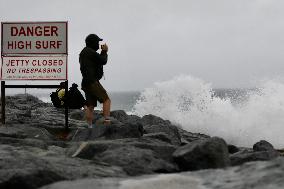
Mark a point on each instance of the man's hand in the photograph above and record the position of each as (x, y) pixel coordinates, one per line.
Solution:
(104, 47)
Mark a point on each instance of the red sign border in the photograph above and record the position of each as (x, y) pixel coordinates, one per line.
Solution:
(35, 79)
(39, 22)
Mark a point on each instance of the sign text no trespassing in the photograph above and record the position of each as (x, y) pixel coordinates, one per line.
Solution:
(34, 68)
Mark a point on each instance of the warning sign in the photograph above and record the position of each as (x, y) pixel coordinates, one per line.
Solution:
(34, 38)
(34, 68)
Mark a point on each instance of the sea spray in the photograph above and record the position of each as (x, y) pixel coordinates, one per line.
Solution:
(191, 103)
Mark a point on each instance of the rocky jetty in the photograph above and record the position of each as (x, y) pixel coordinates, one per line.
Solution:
(133, 152)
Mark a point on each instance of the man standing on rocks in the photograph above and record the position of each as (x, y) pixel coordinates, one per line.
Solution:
(91, 66)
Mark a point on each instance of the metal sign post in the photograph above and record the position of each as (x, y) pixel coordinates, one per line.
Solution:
(3, 100)
(33, 51)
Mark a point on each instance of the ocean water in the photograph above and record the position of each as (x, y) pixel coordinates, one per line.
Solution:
(119, 100)
(241, 116)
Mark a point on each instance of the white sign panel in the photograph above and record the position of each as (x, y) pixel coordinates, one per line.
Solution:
(34, 38)
(34, 68)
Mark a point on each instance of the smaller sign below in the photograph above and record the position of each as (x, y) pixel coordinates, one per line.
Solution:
(34, 68)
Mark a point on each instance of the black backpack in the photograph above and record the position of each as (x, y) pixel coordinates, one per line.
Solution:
(55, 99)
(75, 98)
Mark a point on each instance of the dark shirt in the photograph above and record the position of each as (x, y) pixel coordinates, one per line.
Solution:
(91, 65)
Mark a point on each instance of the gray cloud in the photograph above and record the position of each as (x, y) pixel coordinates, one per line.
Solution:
(225, 42)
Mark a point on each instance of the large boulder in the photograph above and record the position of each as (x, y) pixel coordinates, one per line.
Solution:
(24, 142)
(153, 120)
(246, 155)
(77, 114)
(136, 156)
(262, 151)
(23, 102)
(233, 149)
(19, 108)
(136, 161)
(113, 131)
(25, 131)
(188, 137)
(263, 146)
(159, 136)
(154, 124)
(28, 178)
(203, 154)
(120, 115)
(253, 175)
(32, 167)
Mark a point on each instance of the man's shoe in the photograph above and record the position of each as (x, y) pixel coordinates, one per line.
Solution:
(103, 122)
(107, 121)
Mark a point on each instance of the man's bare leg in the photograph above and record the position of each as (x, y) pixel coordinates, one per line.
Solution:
(106, 110)
(89, 114)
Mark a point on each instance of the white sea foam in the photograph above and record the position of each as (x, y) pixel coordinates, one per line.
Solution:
(191, 103)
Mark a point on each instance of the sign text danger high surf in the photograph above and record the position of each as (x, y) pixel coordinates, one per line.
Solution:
(34, 38)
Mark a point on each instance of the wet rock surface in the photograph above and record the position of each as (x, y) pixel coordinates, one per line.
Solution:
(262, 151)
(203, 154)
(254, 175)
(37, 151)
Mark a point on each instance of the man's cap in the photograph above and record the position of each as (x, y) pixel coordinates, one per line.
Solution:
(91, 38)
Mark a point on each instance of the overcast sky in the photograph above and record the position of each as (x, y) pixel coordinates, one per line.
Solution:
(229, 43)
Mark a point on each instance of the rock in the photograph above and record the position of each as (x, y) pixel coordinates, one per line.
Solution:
(188, 137)
(136, 161)
(29, 179)
(232, 149)
(36, 150)
(136, 156)
(262, 151)
(154, 124)
(111, 183)
(246, 155)
(34, 167)
(77, 114)
(154, 120)
(263, 146)
(24, 101)
(113, 131)
(203, 154)
(160, 136)
(23, 142)
(22, 131)
(124, 131)
(254, 175)
(133, 119)
(120, 115)
(169, 130)
(93, 148)
(83, 134)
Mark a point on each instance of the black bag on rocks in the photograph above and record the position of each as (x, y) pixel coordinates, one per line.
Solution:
(75, 98)
(55, 99)
(58, 97)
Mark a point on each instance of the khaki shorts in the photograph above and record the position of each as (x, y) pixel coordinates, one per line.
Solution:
(95, 92)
